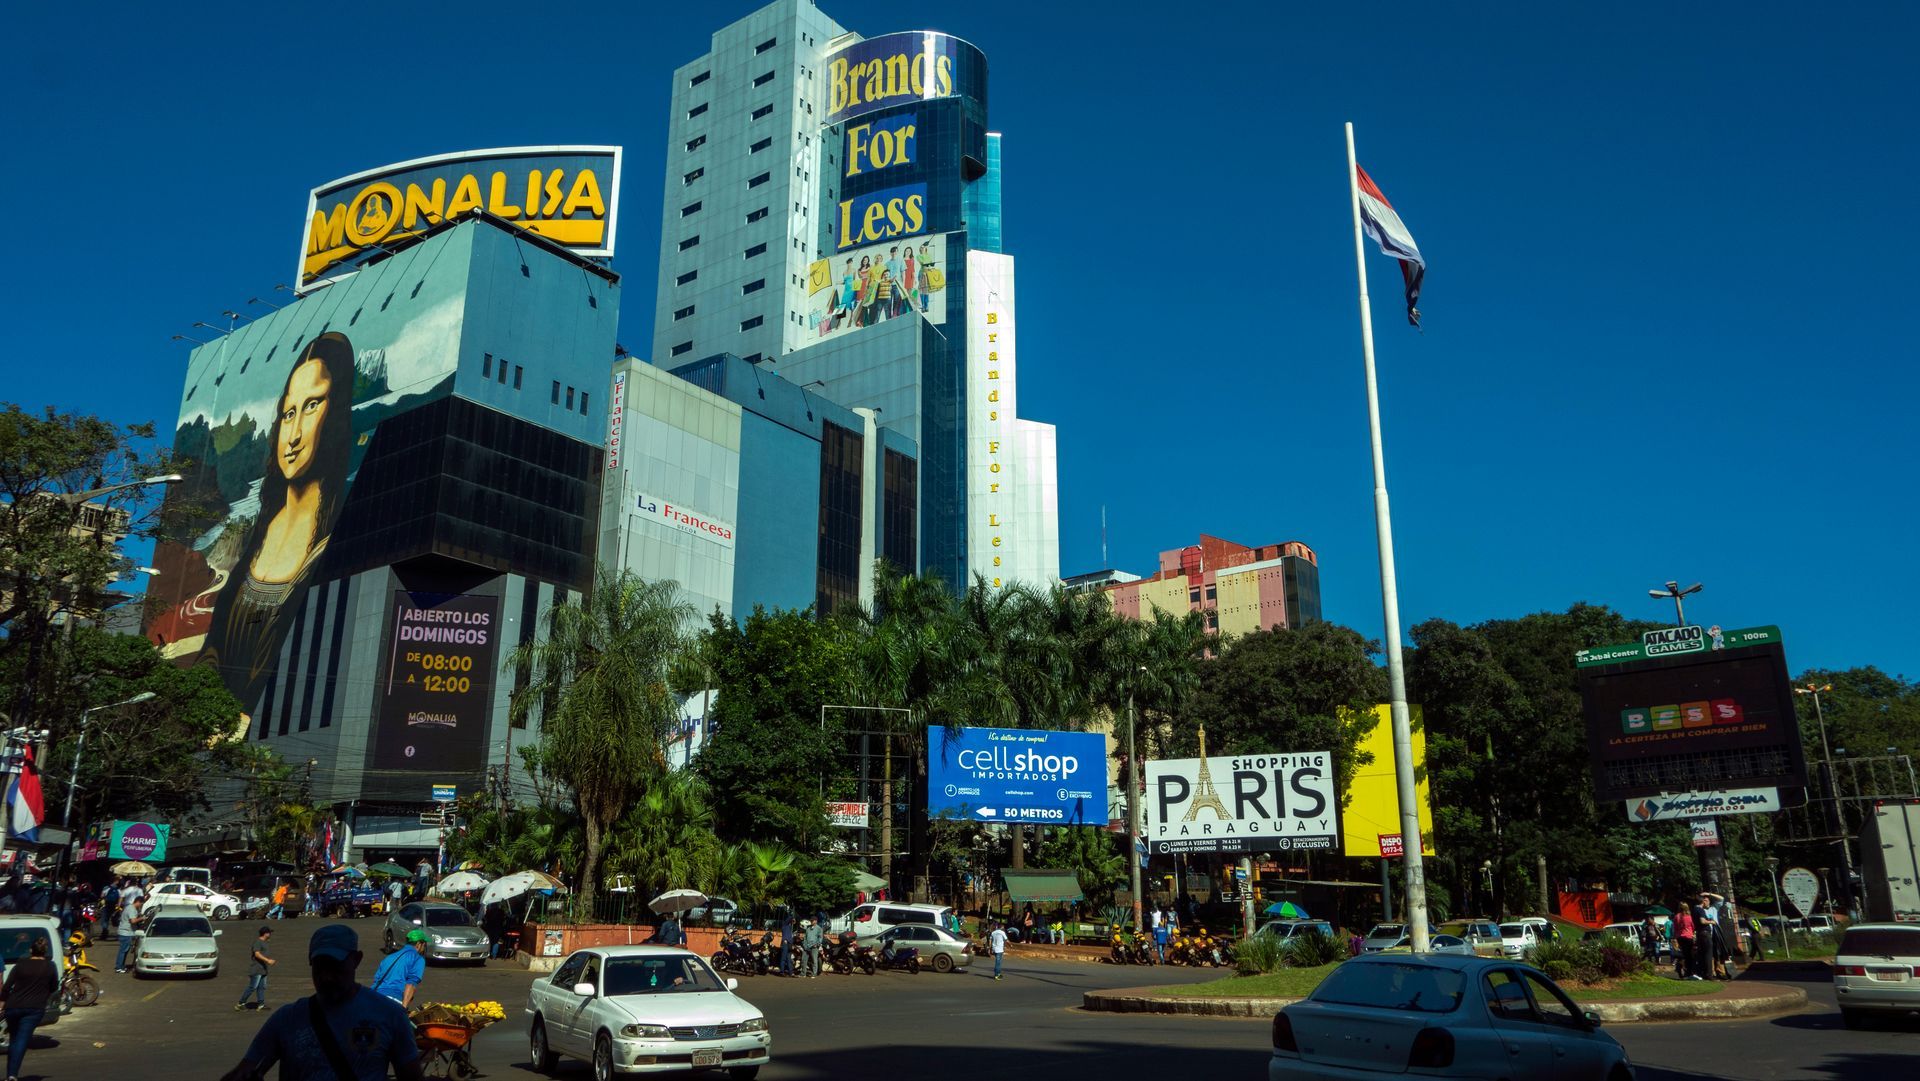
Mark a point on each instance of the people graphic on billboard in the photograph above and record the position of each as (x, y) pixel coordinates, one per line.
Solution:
(876, 284)
(304, 483)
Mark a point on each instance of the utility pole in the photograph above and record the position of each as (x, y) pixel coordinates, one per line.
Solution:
(1836, 815)
(1133, 815)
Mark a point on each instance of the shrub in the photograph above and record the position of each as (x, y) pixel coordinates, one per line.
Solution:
(1616, 962)
(1583, 959)
(1558, 970)
(1312, 950)
(1259, 955)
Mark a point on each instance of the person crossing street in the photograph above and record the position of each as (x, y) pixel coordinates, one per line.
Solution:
(997, 941)
(259, 961)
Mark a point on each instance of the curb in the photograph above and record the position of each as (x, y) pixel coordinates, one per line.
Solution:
(1759, 999)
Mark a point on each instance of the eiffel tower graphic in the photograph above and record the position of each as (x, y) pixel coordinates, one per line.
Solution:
(1203, 793)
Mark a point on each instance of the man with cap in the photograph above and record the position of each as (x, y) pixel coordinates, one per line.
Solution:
(400, 974)
(342, 1032)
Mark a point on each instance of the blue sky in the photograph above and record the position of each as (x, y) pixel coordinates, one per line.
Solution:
(1669, 319)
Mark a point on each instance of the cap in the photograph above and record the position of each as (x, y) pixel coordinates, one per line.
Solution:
(416, 935)
(336, 941)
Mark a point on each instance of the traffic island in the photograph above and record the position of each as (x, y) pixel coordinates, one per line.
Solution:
(1734, 1000)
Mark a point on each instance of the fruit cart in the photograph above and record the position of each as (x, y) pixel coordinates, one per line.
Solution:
(445, 1034)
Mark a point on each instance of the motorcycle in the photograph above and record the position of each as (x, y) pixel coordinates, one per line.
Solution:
(79, 986)
(904, 959)
(735, 955)
(839, 954)
(1120, 951)
(766, 956)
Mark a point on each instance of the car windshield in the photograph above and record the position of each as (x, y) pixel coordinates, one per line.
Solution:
(1393, 986)
(1881, 942)
(1387, 930)
(448, 917)
(18, 944)
(655, 975)
(179, 927)
(1513, 930)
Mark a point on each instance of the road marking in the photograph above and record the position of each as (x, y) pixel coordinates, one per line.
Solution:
(151, 997)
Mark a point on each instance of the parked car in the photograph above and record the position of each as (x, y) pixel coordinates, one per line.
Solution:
(177, 941)
(939, 947)
(1877, 970)
(1447, 944)
(1820, 925)
(1631, 932)
(451, 933)
(1382, 936)
(18, 933)
(1287, 930)
(1543, 928)
(1441, 1016)
(1482, 935)
(869, 920)
(717, 909)
(211, 903)
(1516, 939)
(188, 874)
(644, 1009)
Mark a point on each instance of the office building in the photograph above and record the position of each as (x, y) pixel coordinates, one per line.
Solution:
(1236, 588)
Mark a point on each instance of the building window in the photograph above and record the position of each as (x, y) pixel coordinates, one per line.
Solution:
(1193, 597)
(556, 392)
(682, 348)
(765, 45)
(753, 286)
(486, 365)
(764, 110)
(754, 359)
(759, 180)
(1212, 593)
(690, 208)
(696, 110)
(518, 371)
(569, 397)
(749, 324)
(700, 78)
(687, 277)
(683, 313)
(763, 79)
(696, 142)
(757, 249)
(761, 145)
(583, 403)
(693, 176)
(1213, 620)
(503, 371)
(691, 242)
(756, 215)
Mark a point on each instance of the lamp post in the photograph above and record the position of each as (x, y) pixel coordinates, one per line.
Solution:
(1713, 858)
(1836, 816)
(1674, 591)
(1779, 913)
(73, 772)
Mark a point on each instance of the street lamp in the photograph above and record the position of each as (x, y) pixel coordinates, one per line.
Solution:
(1779, 913)
(73, 774)
(82, 497)
(1674, 591)
(1836, 817)
(1133, 810)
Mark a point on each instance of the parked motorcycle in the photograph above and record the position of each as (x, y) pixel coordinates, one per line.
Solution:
(766, 956)
(79, 986)
(904, 959)
(839, 955)
(1120, 950)
(735, 954)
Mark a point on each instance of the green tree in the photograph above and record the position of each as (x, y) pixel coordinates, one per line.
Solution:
(503, 840)
(665, 840)
(598, 677)
(1095, 857)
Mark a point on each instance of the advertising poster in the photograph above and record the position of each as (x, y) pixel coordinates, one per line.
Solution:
(1018, 775)
(437, 682)
(1372, 807)
(1670, 806)
(847, 815)
(1242, 803)
(871, 285)
(275, 418)
(892, 69)
(145, 841)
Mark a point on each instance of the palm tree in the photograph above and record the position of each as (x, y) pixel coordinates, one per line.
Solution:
(597, 676)
(665, 840)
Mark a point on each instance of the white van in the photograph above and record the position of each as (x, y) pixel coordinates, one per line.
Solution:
(870, 919)
(17, 936)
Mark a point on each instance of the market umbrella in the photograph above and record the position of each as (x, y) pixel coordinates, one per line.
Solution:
(1287, 910)
(1659, 910)
(513, 885)
(460, 882)
(470, 865)
(863, 880)
(391, 870)
(677, 901)
(132, 867)
(348, 869)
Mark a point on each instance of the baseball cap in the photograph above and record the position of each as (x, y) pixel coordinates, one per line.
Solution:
(417, 935)
(335, 940)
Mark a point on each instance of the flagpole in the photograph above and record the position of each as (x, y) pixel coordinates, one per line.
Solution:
(1416, 903)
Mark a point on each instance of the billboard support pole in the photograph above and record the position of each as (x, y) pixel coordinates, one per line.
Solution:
(1416, 906)
(1133, 816)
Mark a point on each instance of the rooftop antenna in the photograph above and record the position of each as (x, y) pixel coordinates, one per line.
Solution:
(1103, 534)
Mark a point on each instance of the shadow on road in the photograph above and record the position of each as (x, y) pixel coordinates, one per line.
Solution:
(970, 1062)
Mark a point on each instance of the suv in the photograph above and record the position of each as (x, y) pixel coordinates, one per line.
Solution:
(1874, 970)
(868, 920)
(18, 933)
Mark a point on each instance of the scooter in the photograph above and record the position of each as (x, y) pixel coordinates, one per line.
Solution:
(904, 959)
(839, 954)
(79, 986)
(1120, 951)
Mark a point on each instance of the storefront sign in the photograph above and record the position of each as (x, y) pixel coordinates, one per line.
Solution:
(138, 841)
(1706, 833)
(443, 793)
(678, 517)
(1736, 801)
(616, 419)
(1018, 775)
(436, 695)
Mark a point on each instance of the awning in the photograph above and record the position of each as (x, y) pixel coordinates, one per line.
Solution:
(1042, 886)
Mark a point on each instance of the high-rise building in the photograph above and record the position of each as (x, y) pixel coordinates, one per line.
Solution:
(846, 190)
(1238, 589)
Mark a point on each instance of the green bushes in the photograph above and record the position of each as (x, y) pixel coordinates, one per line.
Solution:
(1557, 970)
(1259, 955)
(1313, 950)
(1262, 954)
(1588, 960)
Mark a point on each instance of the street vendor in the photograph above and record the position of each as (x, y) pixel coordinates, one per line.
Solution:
(399, 976)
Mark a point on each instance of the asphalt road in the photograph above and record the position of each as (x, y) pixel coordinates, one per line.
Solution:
(963, 1027)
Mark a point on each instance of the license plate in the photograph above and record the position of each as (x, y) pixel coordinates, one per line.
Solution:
(707, 1057)
(1890, 975)
(176, 968)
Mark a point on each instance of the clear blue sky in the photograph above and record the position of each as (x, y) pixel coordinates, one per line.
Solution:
(1669, 317)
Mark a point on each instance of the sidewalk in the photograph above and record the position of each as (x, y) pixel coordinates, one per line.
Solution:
(1738, 999)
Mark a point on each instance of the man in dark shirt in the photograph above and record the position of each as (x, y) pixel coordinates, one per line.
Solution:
(23, 1001)
(365, 1033)
(260, 961)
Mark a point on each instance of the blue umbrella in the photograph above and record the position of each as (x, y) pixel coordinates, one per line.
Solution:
(1286, 910)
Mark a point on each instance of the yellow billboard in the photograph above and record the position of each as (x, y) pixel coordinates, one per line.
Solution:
(1372, 810)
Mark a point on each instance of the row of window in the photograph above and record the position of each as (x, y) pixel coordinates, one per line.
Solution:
(757, 50)
(687, 178)
(487, 370)
(752, 216)
(570, 405)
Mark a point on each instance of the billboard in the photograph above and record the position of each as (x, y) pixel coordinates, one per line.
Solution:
(1018, 775)
(1691, 710)
(1372, 806)
(436, 686)
(1739, 801)
(892, 69)
(569, 195)
(275, 419)
(138, 841)
(1241, 803)
(871, 285)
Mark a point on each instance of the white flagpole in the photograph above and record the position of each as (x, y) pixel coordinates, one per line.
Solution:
(1416, 903)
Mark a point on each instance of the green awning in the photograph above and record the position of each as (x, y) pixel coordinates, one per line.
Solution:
(1042, 886)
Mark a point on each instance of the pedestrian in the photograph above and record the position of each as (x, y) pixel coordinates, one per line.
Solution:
(788, 936)
(670, 933)
(1650, 939)
(259, 961)
(1683, 942)
(279, 909)
(109, 903)
(997, 941)
(812, 936)
(1162, 935)
(342, 1032)
(1704, 936)
(31, 984)
(125, 927)
(399, 976)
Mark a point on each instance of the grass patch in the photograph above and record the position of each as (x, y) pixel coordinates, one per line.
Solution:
(1286, 983)
(1642, 987)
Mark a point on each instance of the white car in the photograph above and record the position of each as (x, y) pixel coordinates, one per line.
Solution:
(1516, 939)
(644, 1009)
(1381, 1014)
(212, 903)
(177, 941)
(1877, 970)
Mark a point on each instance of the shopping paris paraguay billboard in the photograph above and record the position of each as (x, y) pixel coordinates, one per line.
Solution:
(1242, 803)
(569, 195)
(1017, 775)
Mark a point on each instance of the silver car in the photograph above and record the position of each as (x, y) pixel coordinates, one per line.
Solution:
(177, 941)
(939, 948)
(451, 933)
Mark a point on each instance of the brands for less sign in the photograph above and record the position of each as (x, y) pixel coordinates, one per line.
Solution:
(138, 841)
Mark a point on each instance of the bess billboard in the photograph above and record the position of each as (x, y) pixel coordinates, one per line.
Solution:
(1691, 709)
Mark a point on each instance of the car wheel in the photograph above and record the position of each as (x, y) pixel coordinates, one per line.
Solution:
(603, 1058)
(537, 1049)
(1852, 1018)
(942, 963)
(223, 913)
(386, 940)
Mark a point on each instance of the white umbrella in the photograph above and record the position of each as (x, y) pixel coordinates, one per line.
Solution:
(132, 868)
(677, 901)
(460, 882)
(513, 885)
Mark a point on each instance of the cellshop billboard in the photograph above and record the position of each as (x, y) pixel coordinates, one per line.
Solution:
(1018, 775)
(1242, 803)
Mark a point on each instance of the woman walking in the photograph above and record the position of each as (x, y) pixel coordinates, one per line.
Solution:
(23, 1002)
